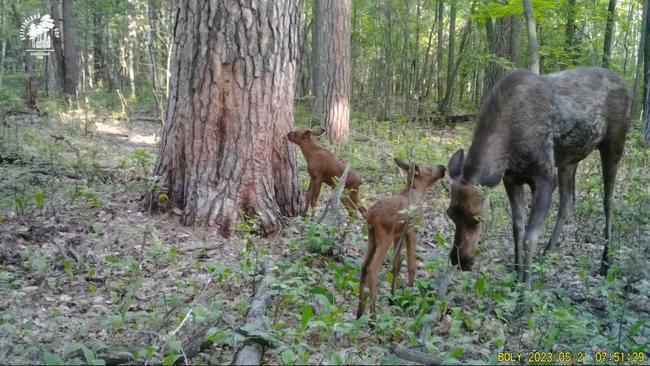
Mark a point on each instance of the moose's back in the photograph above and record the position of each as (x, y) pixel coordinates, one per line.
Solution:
(588, 102)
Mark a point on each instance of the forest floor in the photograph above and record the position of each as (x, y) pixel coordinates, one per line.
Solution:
(86, 271)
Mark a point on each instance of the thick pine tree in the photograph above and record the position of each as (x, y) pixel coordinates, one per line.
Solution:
(224, 154)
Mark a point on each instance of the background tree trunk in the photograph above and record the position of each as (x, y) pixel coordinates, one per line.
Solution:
(151, 48)
(639, 77)
(531, 27)
(317, 56)
(70, 54)
(337, 79)
(453, 69)
(56, 72)
(131, 35)
(387, 78)
(439, 55)
(609, 29)
(570, 31)
(31, 96)
(446, 105)
(503, 41)
(98, 45)
(223, 148)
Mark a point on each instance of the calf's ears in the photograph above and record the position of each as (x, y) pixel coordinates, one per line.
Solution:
(317, 131)
(455, 165)
(406, 166)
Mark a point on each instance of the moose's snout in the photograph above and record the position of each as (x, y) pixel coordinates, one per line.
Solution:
(464, 262)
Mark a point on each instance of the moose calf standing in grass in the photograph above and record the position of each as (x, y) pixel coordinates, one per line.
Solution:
(535, 129)
(324, 167)
(388, 223)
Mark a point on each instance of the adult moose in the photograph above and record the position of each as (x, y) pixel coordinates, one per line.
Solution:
(529, 127)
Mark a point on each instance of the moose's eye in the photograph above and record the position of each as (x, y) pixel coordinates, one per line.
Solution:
(476, 219)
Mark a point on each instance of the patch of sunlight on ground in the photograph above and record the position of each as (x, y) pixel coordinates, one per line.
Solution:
(106, 128)
(144, 139)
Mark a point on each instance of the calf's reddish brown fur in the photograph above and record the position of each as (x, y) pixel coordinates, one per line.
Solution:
(324, 167)
(388, 223)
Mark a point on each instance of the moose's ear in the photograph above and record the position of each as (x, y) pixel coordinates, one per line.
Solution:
(455, 165)
(402, 164)
(317, 131)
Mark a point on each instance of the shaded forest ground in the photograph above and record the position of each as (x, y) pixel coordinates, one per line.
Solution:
(86, 271)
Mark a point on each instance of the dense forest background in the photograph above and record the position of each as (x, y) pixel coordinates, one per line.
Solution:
(414, 59)
(150, 200)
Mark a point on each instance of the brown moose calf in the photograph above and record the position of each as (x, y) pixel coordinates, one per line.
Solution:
(324, 167)
(388, 223)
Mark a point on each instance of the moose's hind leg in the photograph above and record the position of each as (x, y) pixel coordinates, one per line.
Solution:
(610, 155)
(567, 186)
(542, 191)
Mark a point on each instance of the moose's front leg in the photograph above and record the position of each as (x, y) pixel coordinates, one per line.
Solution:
(542, 191)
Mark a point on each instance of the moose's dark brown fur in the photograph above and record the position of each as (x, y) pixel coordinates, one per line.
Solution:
(324, 167)
(535, 130)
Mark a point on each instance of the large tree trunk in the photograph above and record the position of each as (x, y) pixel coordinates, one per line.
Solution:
(70, 55)
(317, 55)
(503, 41)
(224, 155)
(56, 72)
(609, 29)
(337, 70)
(531, 27)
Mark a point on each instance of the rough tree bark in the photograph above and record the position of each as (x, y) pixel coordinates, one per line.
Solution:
(609, 29)
(223, 154)
(56, 72)
(317, 54)
(531, 27)
(503, 42)
(337, 70)
(70, 54)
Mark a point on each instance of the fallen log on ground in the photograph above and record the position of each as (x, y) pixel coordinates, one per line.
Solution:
(414, 356)
(252, 351)
(461, 118)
